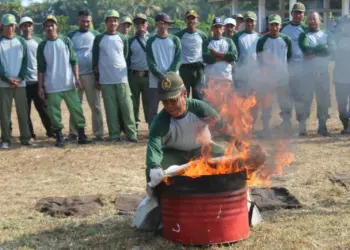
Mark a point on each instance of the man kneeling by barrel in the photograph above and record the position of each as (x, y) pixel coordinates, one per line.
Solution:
(179, 130)
(177, 135)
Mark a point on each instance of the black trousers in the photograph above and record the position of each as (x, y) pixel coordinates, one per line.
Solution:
(41, 107)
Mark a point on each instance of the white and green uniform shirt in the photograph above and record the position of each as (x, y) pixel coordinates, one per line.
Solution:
(221, 69)
(341, 55)
(13, 60)
(294, 31)
(55, 60)
(137, 59)
(246, 47)
(318, 45)
(273, 55)
(180, 133)
(82, 44)
(32, 69)
(163, 55)
(109, 54)
(191, 44)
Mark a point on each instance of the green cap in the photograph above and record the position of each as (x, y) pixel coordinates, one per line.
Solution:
(250, 15)
(191, 13)
(8, 19)
(171, 87)
(140, 16)
(126, 20)
(50, 18)
(298, 7)
(112, 13)
(274, 18)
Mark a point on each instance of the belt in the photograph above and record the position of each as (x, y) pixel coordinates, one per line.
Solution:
(139, 73)
(195, 65)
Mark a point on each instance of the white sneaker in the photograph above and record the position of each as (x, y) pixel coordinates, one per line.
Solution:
(5, 145)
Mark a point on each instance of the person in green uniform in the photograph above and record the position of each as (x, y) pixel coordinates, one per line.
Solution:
(192, 69)
(125, 26)
(317, 47)
(26, 25)
(109, 54)
(138, 67)
(173, 137)
(13, 71)
(59, 78)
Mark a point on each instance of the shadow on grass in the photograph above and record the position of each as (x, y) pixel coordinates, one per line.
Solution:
(112, 233)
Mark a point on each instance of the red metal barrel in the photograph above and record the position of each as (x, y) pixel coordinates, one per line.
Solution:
(202, 219)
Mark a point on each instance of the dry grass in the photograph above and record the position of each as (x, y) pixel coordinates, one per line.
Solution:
(30, 174)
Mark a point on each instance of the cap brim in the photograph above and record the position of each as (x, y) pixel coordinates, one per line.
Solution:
(139, 18)
(251, 18)
(299, 10)
(170, 95)
(26, 22)
(217, 24)
(53, 20)
(111, 16)
(127, 22)
(9, 23)
(271, 22)
(194, 15)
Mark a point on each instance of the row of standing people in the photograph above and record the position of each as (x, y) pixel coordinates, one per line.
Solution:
(111, 63)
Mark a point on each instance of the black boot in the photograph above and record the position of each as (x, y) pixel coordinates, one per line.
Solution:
(322, 128)
(345, 123)
(82, 138)
(59, 139)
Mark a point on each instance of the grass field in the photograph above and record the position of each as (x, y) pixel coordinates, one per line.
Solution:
(107, 169)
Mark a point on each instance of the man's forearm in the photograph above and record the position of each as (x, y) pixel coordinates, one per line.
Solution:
(75, 69)
(41, 80)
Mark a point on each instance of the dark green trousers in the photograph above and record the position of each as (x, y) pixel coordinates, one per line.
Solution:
(72, 100)
(6, 97)
(179, 157)
(193, 76)
(117, 99)
(139, 88)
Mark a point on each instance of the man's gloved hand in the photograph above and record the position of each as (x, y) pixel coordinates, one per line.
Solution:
(157, 175)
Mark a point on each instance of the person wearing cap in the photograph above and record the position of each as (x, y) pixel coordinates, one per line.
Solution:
(192, 69)
(341, 73)
(26, 25)
(274, 51)
(178, 132)
(239, 21)
(230, 27)
(246, 68)
(138, 67)
(317, 46)
(163, 55)
(219, 53)
(59, 79)
(109, 54)
(83, 39)
(12, 82)
(125, 26)
(293, 29)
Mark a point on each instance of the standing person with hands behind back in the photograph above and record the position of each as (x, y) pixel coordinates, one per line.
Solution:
(163, 55)
(191, 69)
(293, 29)
(138, 67)
(27, 27)
(82, 40)
(109, 54)
(59, 74)
(13, 71)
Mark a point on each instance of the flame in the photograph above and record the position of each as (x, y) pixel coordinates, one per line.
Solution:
(241, 154)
